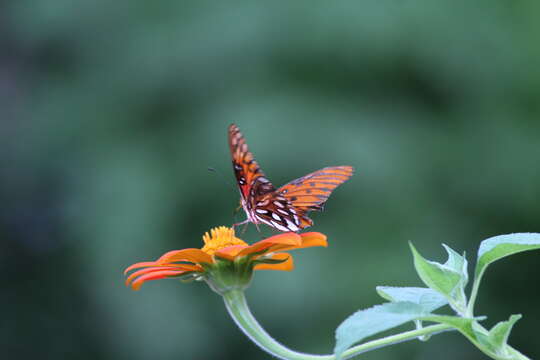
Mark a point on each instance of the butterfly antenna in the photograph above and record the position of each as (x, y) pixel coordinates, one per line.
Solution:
(216, 171)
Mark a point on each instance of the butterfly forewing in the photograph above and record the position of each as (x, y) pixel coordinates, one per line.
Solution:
(249, 176)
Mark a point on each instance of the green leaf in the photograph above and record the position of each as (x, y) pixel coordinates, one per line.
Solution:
(496, 339)
(463, 325)
(498, 247)
(371, 321)
(492, 343)
(458, 263)
(449, 279)
(482, 340)
(438, 277)
(500, 332)
(514, 354)
(429, 299)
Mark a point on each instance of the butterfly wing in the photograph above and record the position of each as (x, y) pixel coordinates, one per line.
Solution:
(249, 176)
(310, 192)
(275, 210)
(286, 208)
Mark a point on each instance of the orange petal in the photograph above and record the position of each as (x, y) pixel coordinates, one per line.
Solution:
(230, 252)
(136, 285)
(148, 270)
(287, 239)
(140, 265)
(313, 238)
(192, 255)
(284, 266)
(309, 239)
(179, 267)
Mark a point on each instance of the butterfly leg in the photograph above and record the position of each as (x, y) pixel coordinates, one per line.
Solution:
(240, 223)
(238, 208)
(235, 211)
(245, 227)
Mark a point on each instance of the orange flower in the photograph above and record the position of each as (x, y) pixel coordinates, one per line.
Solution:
(225, 262)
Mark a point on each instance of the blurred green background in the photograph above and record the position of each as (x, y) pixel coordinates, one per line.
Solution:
(111, 113)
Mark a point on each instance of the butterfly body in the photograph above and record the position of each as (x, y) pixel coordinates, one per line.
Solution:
(285, 208)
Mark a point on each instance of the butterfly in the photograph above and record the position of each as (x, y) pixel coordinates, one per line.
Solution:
(285, 208)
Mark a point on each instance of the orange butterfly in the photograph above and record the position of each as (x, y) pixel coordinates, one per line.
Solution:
(285, 208)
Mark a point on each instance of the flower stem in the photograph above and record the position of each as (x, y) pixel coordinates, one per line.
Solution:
(236, 304)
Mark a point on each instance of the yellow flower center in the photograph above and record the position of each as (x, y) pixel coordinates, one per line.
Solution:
(219, 238)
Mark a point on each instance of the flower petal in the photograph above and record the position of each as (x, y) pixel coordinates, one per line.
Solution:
(286, 239)
(287, 265)
(139, 265)
(313, 238)
(179, 267)
(192, 255)
(136, 285)
(229, 252)
(146, 271)
(309, 239)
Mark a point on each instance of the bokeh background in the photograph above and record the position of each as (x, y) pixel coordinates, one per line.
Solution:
(112, 111)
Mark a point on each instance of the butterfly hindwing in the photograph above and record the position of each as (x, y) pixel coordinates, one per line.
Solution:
(276, 211)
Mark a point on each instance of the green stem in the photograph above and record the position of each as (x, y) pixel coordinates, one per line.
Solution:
(474, 293)
(236, 304)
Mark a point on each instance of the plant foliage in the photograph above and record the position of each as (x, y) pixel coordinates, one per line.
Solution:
(445, 285)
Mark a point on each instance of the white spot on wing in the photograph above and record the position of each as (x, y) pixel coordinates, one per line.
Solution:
(279, 204)
(261, 211)
(291, 226)
(276, 216)
(282, 212)
(296, 221)
(278, 226)
(265, 221)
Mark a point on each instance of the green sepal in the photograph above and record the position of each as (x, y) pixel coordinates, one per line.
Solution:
(225, 275)
(188, 277)
(269, 261)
